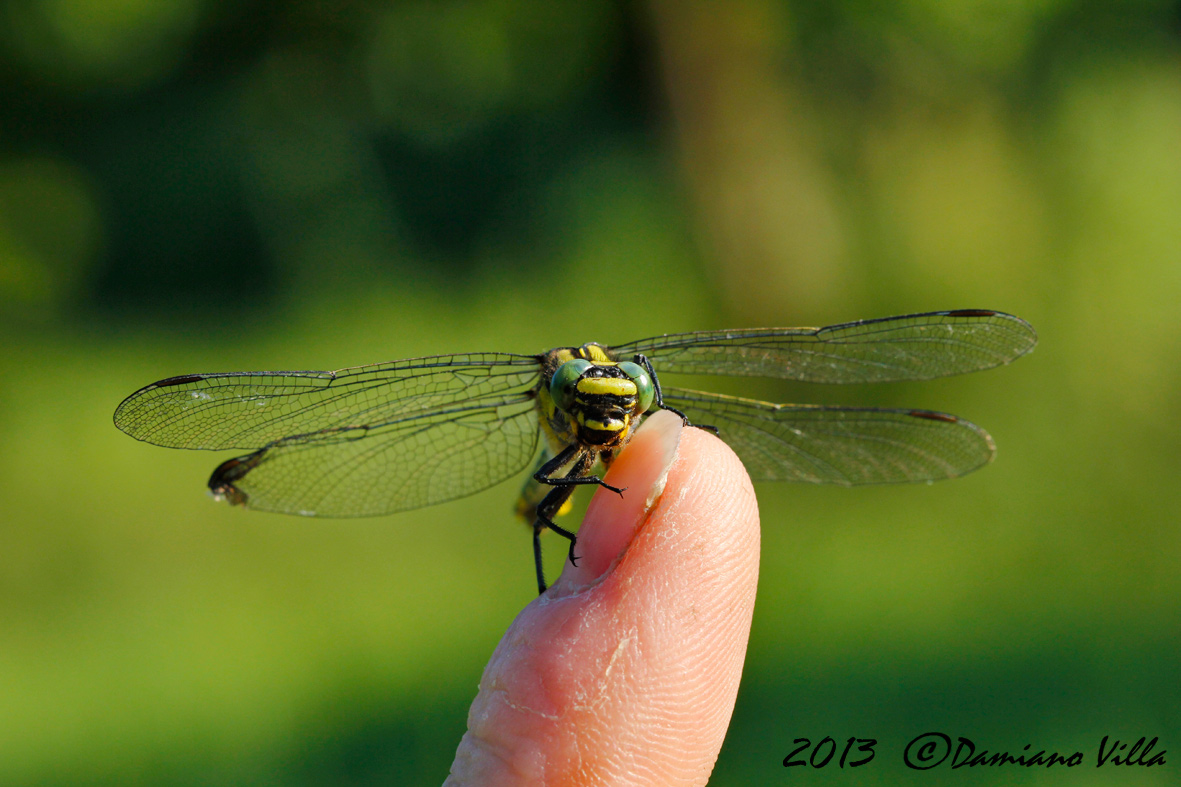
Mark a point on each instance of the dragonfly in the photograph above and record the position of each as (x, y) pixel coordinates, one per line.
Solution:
(389, 437)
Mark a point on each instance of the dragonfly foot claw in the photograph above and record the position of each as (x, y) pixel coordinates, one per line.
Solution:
(619, 490)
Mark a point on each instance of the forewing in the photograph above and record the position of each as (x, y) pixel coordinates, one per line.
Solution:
(253, 409)
(910, 347)
(838, 445)
(356, 442)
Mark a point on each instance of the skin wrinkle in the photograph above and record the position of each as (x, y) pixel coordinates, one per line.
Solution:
(604, 683)
(501, 753)
(582, 702)
(503, 693)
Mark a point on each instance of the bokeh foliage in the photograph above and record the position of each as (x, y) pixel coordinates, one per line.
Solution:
(198, 185)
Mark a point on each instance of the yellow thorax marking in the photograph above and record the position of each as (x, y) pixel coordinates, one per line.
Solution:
(607, 385)
(595, 354)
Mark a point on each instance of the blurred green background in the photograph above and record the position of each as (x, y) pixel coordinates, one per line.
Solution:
(200, 185)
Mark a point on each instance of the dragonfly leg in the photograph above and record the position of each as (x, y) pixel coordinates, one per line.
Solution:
(576, 475)
(659, 397)
(546, 511)
(571, 537)
(537, 528)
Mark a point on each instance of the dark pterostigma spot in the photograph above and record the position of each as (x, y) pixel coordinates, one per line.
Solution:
(934, 416)
(181, 380)
(972, 313)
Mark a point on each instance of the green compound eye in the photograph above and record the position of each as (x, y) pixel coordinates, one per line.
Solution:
(562, 384)
(645, 390)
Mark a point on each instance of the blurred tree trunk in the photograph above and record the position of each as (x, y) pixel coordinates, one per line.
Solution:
(765, 203)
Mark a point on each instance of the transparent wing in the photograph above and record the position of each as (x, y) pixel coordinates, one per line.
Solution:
(357, 442)
(839, 445)
(366, 471)
(911, 347)
(253, 409)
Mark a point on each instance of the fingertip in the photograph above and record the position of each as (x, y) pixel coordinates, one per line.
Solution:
(631, 678)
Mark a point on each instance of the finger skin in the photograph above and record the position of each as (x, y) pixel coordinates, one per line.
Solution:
(625, 672)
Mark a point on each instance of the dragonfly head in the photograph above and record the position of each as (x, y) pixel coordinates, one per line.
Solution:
(602, 399)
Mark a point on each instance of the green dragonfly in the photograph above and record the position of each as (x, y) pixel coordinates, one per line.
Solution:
(387, 437)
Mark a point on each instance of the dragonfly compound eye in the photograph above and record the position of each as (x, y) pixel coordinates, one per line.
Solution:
(645, 390)
(562, 385)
